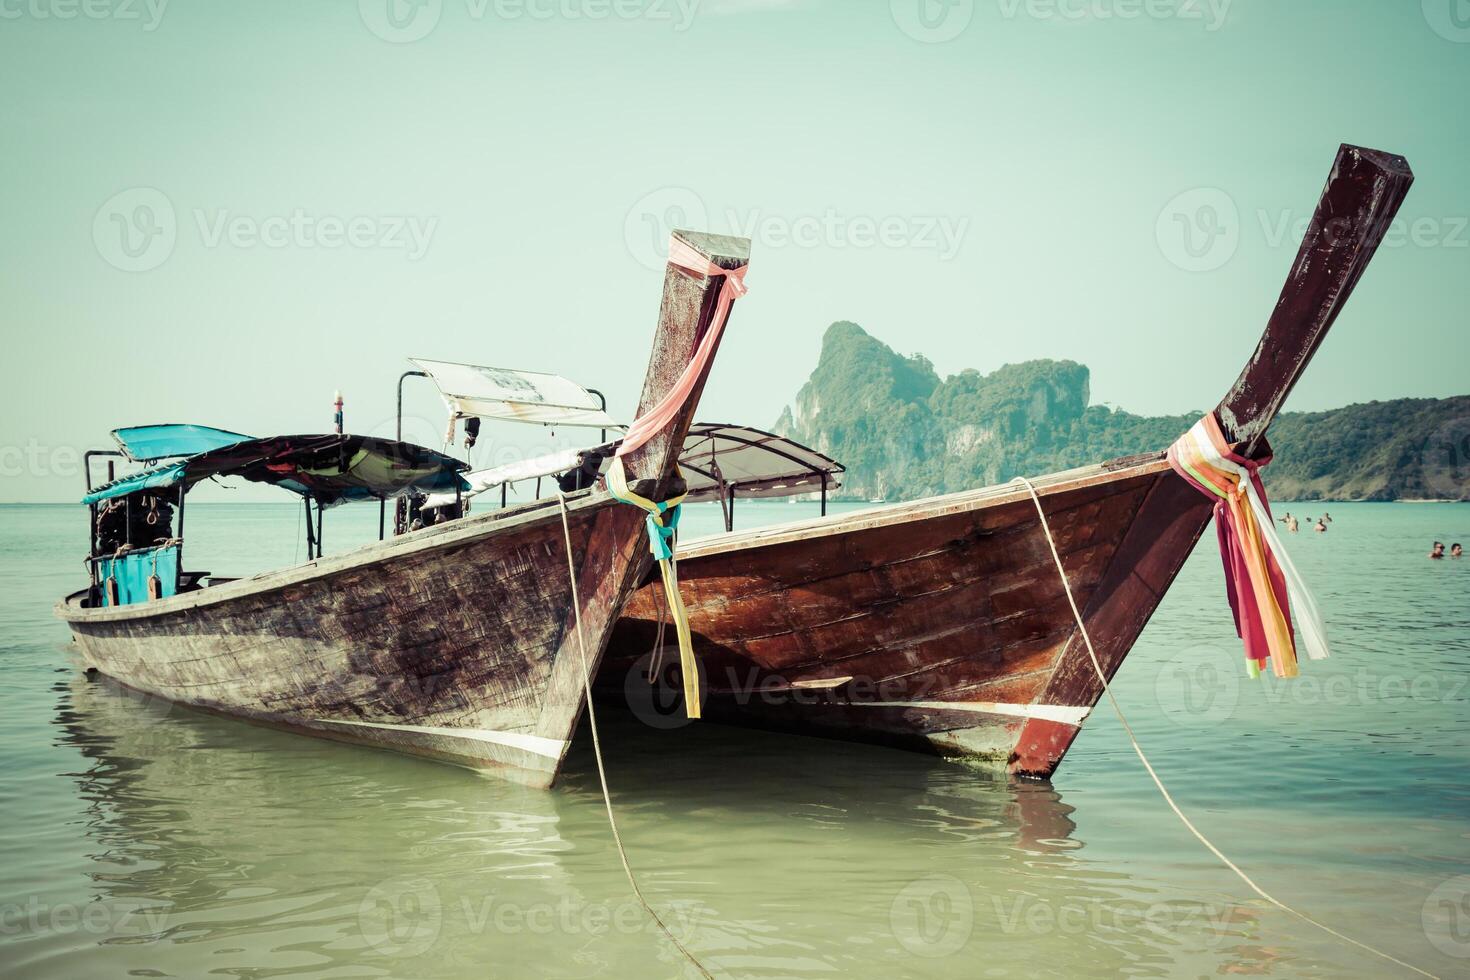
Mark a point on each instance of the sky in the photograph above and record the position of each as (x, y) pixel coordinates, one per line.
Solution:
(226, 212)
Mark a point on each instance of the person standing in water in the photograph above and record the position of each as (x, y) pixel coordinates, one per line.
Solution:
(1326, 518)
(1321, 527)
(1438, 550)
(1455, 550)
(1289, 521)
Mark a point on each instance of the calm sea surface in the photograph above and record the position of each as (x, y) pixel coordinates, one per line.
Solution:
(142, 840)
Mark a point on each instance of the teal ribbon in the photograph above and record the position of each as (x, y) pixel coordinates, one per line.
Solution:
(661, 536)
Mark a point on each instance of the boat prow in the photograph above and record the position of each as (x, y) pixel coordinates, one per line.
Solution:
(941, 625)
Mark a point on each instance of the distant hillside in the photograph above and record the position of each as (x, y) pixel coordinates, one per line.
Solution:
(903, 432)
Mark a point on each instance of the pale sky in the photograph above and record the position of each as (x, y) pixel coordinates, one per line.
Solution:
(223, 212)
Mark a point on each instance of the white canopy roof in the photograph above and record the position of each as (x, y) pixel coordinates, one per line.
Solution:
(752, 462)
(716, 459)
(515, 396)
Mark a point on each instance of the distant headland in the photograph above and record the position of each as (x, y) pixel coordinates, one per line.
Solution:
(903, 432)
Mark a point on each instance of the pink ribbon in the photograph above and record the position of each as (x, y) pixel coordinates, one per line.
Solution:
(684, 256)
(1250, 625)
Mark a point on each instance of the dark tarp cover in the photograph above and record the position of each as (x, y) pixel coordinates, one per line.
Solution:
(331, 469)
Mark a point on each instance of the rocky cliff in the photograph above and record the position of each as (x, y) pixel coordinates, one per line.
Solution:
(904, 432)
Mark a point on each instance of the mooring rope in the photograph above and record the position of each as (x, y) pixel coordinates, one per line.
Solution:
(1101, 676)
(597, 750)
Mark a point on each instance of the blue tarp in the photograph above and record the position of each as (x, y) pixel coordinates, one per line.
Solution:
(163, 476)
(133, 570)
(144, 443)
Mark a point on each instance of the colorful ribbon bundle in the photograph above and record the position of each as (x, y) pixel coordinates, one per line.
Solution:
(663, 516)
(1260, 579)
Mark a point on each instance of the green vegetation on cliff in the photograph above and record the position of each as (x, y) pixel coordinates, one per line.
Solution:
(903, 432)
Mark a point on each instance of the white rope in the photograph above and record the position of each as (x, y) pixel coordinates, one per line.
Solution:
(597, 749)
(1082, 627)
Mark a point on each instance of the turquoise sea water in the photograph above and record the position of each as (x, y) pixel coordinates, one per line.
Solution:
(139, 839)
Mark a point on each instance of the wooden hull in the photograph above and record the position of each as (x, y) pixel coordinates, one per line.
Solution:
(943, 625)
(440, 644)
(461, 642)
(940, 625)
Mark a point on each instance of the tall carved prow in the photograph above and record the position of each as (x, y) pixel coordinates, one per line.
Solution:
(616, 557)
(1362, 195)
(686, 315)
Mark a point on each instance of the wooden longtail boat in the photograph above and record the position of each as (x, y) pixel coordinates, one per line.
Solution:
(941, 625)
(456, 642)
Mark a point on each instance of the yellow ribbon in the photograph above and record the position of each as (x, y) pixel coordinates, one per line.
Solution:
(660, 543)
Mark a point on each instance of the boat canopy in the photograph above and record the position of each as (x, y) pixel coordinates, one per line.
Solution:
(472, 391)
(147, 443)
(717, 460)
(330, 469)
(753, 463)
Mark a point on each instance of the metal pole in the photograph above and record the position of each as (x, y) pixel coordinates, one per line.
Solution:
(92, 508)
(87, 464)
(603, 399)
(730, 514)
(824, 494)
(179, 533)
(341, 443)
(310, 536)
(504, 489)
(401, 378)
(318, 528)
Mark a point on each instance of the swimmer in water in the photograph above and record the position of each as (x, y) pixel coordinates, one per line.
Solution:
(1438, 550)
(1455, 550)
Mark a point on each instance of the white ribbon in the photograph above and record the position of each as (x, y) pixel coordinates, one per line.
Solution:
(1310, 626)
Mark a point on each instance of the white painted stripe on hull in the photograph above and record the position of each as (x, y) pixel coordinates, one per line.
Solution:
(1062, 713)
(551, 748)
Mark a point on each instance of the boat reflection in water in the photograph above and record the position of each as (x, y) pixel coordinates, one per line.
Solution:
(218, 847)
